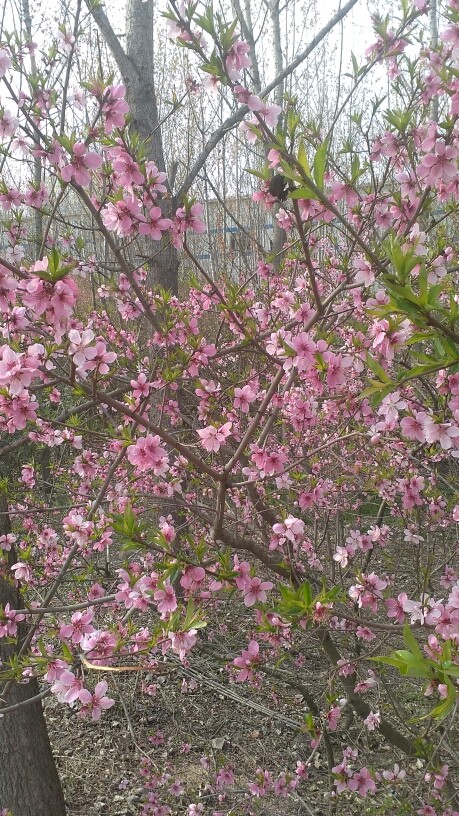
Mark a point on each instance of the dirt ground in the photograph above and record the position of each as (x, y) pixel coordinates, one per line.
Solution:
(197, 723)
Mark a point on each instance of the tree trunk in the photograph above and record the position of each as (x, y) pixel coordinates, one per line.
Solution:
(29, 782)
(141, 96)
(279, 235)
(136, 66)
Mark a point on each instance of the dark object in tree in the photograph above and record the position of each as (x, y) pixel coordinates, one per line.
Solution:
(279, 187)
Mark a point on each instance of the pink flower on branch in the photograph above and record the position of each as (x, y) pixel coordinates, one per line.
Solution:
(147, 454)
(82, 161)
(22, 572)
(155, 225)
(237, 58)
(243, 397)
(362, 782)
(115, 107)
(212, 438)
(246, 661)
(67, 687)
(94, 704)
(66, 40)
(5, 62)
(9, 620)
(166, 600)
(256, 591)
(79, 626)
(440, 166)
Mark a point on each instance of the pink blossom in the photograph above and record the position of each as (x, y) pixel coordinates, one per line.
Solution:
(274, 159)
(237, 58)
(242, 570)
(246, 662)
(125, 168)
(95, 703)
(82, 161)
(66, 40)
(192, 577)
(333, 717)
(122, 216)
(115, 107)
(182, 642)
(67, 687)
(362, 782)
(396, 607)
(166, 599)
(140, 386)
(79, 342)
(440, 165)
(155, 225)
(396, 775)
(187, 218)
(245, 97)
(413, 427)
(22, 572)
(212, 438)
(9, 620)
(98, 358)
(99, 645)
(445, 433)
(147, 454)
(6, 541)
(176, 789)
(270, 114)
(5, 62)
(373, 721)
(79, 626)
(243, 397)
(256, 591)
(341, 556)
(291, 529)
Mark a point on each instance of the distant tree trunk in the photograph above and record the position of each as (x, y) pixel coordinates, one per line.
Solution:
(434, 45)
(279, 235)
(29, 782)
(136, 66)
(141, 95)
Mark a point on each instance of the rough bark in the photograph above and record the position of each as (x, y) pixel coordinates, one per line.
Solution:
(29, 782)
(136, 66)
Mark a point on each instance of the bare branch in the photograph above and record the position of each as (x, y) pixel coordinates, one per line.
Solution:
(237, 117)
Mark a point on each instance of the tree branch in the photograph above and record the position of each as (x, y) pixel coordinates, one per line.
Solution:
(121, 58)
(237, 117)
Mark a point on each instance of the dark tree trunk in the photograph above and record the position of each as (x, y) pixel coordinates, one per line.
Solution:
(29, 782)
(136, 66)
(141, 94)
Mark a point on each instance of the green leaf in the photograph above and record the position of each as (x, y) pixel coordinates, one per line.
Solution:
(320, 160)
(303, 159)
(371, 389)
(256, 173)
(355, 65)
(422, 370)
(407, 664)
(377, 369)
(206, 24)
(411, 642)
(302, 192)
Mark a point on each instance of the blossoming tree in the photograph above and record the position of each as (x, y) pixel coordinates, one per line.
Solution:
(277, 415)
